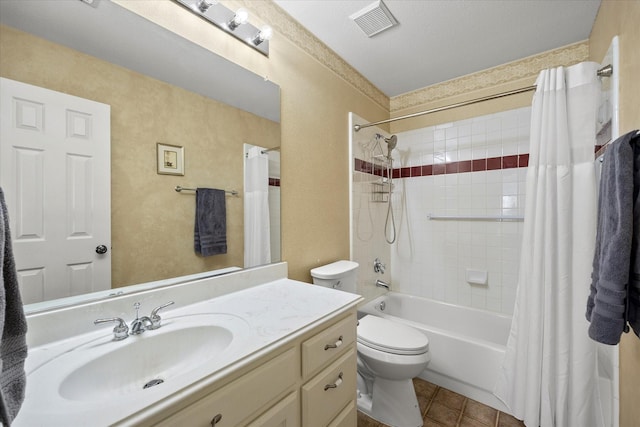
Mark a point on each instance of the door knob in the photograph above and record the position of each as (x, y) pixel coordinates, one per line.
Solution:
(101, 249)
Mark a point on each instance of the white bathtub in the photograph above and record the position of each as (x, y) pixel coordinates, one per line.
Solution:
(466, 345)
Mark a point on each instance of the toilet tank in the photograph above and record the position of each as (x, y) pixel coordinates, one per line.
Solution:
(337, 275)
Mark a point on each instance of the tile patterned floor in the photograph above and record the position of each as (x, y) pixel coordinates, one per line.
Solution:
(443, 408)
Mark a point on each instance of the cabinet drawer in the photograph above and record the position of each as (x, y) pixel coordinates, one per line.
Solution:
(324, 396)
(326, 345)
(241, 398)
(284, 413)
(347, 418)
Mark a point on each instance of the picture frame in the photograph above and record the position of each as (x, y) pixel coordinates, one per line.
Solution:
(170, 159)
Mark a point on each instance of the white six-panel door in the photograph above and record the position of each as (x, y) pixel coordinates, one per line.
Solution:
(55, 173)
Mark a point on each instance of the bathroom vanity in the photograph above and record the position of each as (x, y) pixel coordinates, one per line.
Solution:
(297, 381)
(248, 348)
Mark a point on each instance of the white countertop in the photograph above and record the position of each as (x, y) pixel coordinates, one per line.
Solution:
(270, 314)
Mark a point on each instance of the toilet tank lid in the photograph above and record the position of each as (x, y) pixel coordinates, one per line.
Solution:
(333, 270)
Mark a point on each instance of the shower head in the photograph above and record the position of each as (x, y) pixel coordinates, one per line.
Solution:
(392, 141)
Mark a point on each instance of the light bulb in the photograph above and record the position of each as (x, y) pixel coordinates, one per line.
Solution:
(265, 34)
(239, 18)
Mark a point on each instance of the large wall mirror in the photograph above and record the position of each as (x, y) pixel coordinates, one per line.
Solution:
(162, 89)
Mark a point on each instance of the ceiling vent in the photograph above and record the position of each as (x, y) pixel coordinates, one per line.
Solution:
(374, 18)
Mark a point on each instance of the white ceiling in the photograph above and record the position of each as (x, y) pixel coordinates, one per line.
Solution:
(438, 40)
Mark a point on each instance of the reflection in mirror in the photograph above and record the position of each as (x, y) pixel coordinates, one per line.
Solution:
(160, 89)
(262, 198)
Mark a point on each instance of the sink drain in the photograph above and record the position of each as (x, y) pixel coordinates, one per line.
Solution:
(153, 382)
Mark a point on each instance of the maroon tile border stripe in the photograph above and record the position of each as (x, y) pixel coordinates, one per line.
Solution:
(478, 165)
(368, 167)
(491, 163)
(274, 182)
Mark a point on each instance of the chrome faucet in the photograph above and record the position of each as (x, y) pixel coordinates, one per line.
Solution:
(155, 317)
(378, 266)
(120, 331)
(138, 325)
(381, 284)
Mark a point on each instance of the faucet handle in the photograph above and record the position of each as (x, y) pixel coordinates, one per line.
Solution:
(378, 266)
(155, 317)
(120, 331)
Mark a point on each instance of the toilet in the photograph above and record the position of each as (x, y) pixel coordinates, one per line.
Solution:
(390, 355)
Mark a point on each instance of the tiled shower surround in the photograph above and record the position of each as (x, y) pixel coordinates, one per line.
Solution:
(474, 167)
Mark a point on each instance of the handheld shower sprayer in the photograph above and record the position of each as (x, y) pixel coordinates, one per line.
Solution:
(392, 141)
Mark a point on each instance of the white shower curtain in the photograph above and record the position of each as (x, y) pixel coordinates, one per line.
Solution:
(549, 375)
(257, 245)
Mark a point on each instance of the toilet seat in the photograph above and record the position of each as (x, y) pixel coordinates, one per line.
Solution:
(391, 337)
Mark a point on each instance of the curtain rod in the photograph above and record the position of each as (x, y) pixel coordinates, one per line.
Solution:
(605, 71)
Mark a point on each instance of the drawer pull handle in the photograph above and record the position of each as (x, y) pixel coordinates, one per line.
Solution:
(336, 384)
(336, 345)
(215, 420)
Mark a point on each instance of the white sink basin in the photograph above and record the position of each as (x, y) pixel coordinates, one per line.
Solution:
(152, 358)
(95, 369)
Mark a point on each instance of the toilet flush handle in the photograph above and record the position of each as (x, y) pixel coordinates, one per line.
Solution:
(336, 345)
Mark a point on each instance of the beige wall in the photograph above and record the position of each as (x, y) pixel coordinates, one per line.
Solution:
(152, 225)
(621, 18)
(514, 75)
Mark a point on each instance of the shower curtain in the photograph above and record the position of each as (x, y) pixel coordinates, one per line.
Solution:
(257, 244)
(549, 377)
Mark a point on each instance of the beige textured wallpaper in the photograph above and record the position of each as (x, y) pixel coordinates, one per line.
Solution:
(621, 18)
(152, 225)
(318, 90)
(513, 75)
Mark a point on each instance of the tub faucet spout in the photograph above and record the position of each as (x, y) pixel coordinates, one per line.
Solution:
(382, 284)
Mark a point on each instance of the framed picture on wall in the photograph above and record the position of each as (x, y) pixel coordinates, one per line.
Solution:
(170, 159)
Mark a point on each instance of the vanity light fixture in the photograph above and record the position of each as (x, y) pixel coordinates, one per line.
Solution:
(234, 23)
(241, 17)
(264, 34)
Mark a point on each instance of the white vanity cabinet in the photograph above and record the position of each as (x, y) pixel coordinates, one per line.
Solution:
(248, 395)
(309, 381)
(329, 373)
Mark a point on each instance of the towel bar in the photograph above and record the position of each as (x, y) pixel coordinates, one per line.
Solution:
(180, 189)
(475, 218)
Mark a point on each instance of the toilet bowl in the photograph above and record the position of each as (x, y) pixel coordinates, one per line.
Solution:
(390, 355)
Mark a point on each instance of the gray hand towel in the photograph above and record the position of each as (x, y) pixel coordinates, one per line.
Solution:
(13, 324)
(210, 232)
(608, 305)
(633, 295)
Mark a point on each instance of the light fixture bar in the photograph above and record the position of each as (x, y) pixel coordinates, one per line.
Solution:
(227, 20)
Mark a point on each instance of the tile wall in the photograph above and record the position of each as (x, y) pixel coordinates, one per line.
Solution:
(274, 206)
(368, 213)
(474, 167)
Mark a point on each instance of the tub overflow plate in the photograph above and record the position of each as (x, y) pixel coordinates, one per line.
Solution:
(153, 382)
